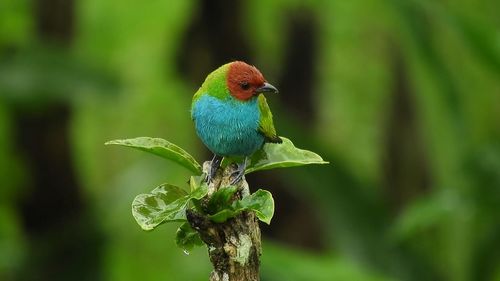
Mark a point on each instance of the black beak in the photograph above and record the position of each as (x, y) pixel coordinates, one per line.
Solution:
(266, 88)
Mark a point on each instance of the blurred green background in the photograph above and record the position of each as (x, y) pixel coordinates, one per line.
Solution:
(402, 97)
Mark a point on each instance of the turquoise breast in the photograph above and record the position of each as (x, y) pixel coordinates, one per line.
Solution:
(228, 127)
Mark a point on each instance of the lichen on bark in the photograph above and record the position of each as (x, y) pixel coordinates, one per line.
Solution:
(234, 246)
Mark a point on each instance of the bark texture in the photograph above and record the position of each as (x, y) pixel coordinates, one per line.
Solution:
(234, 247)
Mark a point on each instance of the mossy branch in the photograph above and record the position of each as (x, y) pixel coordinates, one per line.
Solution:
(219, 214)
(234, 246)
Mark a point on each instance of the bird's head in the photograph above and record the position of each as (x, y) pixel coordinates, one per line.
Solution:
(245, 81)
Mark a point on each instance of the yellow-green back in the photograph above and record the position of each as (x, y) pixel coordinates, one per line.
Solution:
(266, 125)
(214, 85)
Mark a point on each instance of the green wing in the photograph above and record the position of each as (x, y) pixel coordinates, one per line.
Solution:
(266, 126)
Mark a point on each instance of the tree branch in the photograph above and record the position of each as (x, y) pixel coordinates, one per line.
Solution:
(234, 246)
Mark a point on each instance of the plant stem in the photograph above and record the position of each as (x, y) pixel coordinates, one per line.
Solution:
(234, 246)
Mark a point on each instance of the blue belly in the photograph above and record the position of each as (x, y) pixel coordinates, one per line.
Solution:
(229, 127)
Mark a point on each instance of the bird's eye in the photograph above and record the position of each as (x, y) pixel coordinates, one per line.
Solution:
(245, 85)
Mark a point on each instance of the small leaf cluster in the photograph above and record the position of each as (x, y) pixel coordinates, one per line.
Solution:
(169, 203)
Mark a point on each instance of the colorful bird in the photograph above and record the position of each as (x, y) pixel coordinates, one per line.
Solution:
(231, 114)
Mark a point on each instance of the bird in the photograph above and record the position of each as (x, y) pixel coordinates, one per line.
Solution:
(231, 115)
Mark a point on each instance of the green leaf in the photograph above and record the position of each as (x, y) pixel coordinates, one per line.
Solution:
(261, 202)
(224, 215)
(200, 192)
(163, 149)
(221, 199)
(165, 203)
(187, 238)
(195, 182)
(281, 156)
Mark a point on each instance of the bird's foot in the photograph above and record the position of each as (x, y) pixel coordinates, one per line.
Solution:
(238, 174)
(214, 165)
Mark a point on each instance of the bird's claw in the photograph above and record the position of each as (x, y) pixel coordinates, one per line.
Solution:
(214, 165)
(238, 174)
(211, 174)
